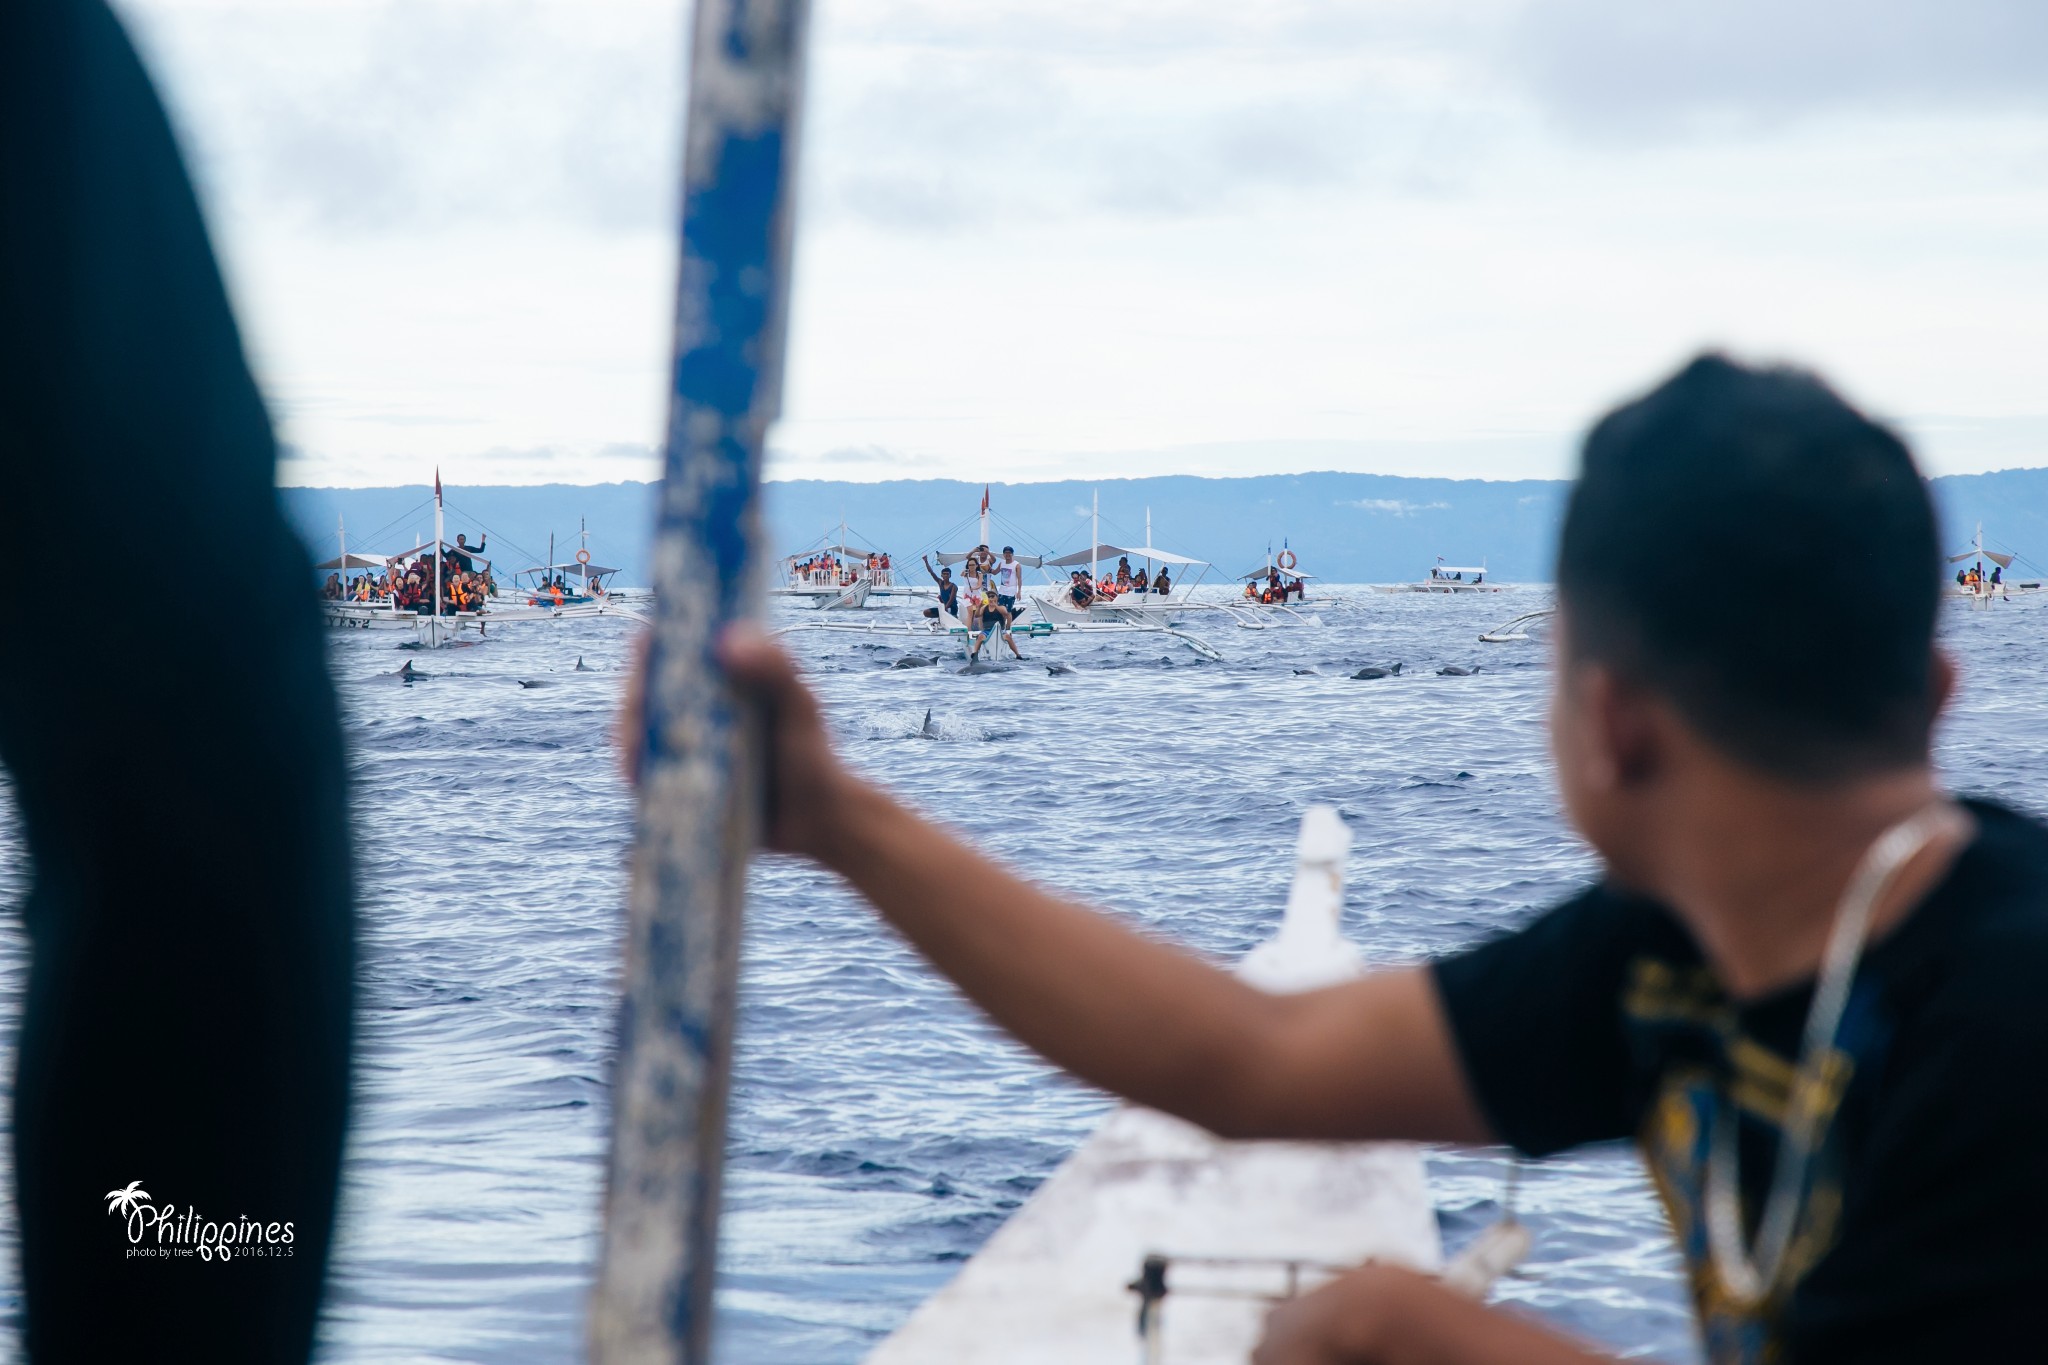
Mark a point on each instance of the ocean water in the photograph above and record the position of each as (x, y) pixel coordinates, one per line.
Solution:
(881, 1129)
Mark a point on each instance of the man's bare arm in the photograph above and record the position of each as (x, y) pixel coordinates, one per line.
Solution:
(1138, 1017)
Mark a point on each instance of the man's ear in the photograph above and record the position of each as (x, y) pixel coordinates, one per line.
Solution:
(1623, 723)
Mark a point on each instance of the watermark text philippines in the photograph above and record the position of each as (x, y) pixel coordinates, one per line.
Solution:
(189, 1233)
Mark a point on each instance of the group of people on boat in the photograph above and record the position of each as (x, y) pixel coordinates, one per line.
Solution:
(410, 586)
(1973, 578)
(1275, 590)
(1454, 576)
(993, 588)
(556, 590)
(826, 566)
(1084, 592)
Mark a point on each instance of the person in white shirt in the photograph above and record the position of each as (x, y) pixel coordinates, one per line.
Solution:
(1009, 575)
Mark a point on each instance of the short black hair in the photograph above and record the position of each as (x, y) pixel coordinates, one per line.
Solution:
(1755, 549)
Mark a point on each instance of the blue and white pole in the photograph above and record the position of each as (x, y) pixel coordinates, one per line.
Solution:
(699, 775)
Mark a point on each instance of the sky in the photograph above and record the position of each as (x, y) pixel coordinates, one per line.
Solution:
(1130, 237)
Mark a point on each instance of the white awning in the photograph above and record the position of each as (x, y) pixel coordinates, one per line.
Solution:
(843, 551)
(2002, 561)
(571, 570)
(1446, 570)
(1284, 573)
(1114, 552)
(353, 561)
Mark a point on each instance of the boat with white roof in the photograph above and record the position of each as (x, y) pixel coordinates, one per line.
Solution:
(1450, 578)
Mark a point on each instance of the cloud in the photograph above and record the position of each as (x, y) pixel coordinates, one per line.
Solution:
(1625, 70)
(1395, 506)
(388, 117)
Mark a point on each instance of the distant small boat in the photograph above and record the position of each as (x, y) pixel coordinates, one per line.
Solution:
(1450, 578)
(1278, 583)
(1981, 587)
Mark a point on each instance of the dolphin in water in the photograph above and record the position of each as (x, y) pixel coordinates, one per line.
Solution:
(927, 730)
(1457, 671)
(914, 661)
(1059, 670)
(582, 667)
(982, 666)
(536, 682)
(407, 672)
(1372, 671)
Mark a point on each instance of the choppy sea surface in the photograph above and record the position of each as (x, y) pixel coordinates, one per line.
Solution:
(881, 1129)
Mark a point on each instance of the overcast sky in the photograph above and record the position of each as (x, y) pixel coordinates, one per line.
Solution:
(1129, 237)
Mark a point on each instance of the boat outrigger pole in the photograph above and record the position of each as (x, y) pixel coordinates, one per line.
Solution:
(699, 784)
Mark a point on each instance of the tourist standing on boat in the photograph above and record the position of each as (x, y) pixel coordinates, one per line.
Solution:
(1164, 583)
(460, 555)
(1807, 983)
(187, 1002)
(949, 591)
(1009, 576)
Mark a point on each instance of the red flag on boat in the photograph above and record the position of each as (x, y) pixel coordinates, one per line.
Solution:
(984, 497)
(437, 483)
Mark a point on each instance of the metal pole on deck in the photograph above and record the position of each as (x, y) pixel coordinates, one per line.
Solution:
(698, 789)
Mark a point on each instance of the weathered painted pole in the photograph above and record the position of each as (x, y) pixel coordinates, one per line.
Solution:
(698, 775)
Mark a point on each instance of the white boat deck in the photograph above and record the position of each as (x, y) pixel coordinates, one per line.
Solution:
(1242, 1224)
(1053, 1283)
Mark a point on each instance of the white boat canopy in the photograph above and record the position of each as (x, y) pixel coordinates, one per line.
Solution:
(843, 551)
(572, 570)
(352, 560)
(1111, 552)
(1446, 570)
(2002, 561)
(952, 557)
(1284, 573)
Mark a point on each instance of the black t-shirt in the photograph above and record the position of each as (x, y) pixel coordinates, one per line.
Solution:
(1922, 1233)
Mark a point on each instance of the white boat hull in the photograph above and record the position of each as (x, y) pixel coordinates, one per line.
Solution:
(1446, 588)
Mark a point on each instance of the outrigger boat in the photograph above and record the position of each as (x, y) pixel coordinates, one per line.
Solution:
(593, 592)
(1449, 578)
(1283, 568)
(1144, 605)
(1033, 620)
(835, 575)
(593, 596)
(430, 630)
(1979, 588)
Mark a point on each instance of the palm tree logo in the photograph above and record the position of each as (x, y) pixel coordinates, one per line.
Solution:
(125, 1200)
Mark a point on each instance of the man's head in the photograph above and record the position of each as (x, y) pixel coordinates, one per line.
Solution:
(947, 574)
(1008, 553)
(461, 538)
(1748, 550)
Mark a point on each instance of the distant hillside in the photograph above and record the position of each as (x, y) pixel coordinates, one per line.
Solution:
(1359, 528)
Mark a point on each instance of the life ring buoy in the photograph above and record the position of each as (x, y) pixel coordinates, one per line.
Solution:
(583, 556)
(1287, 559)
